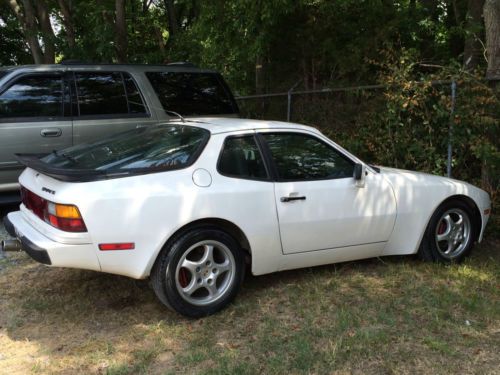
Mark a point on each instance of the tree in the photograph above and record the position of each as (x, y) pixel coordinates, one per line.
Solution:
(492, 27)
(67, 19)
(474, 26)
(121, 32)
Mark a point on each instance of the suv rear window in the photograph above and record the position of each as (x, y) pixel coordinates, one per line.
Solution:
(112, 93)
(192, 94)
(161, 147)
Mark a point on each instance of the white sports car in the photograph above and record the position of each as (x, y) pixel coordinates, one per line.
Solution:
(189, 203)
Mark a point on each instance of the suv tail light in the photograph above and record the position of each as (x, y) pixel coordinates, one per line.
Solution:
(65, 217)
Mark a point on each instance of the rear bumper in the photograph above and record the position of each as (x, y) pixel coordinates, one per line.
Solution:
(46, 251)
(35, 252)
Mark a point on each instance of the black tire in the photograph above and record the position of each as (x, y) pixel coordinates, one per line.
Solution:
(166, 274)
(432, 250)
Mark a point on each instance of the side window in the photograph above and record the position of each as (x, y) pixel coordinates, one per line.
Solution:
(300, 157)
(107, 94)
(241, 158)
(33, 96)
(191, 94)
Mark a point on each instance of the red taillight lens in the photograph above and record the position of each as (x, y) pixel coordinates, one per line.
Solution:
(65, 217)
(67, 225)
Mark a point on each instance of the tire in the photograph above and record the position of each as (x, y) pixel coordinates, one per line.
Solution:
(199, 273)
(450, 234)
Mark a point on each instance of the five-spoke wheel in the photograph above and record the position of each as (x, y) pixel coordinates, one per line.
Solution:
(453, 233)
(450, 233)
(199, 273)
(205, 272)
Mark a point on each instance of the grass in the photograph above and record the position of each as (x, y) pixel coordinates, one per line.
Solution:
(390, 315)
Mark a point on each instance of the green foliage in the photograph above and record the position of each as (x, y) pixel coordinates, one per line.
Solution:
(405, 45)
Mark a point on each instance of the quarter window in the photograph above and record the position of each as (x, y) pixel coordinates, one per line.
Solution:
(108, 94)
(241, 158)
(33, 96)
(300, 157)
(191, 93)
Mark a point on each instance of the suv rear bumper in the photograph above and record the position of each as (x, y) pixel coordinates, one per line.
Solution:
(46, 251)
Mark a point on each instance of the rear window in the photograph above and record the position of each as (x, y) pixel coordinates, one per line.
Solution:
(192, 94)
(155, 147)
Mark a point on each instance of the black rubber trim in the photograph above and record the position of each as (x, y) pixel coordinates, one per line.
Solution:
(9, 227)
(35, 252)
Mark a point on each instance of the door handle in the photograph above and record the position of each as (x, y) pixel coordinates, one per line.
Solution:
(289, 199)
(51, 132)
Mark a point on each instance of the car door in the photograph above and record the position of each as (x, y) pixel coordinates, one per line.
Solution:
(318, 203)
(35, 117)
(107, 103)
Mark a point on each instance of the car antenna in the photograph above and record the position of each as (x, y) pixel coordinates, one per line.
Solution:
(176, 114)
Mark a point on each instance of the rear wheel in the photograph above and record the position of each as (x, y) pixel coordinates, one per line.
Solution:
(449, 235)
(200, 273)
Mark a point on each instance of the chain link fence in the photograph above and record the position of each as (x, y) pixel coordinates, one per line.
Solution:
(338, 112)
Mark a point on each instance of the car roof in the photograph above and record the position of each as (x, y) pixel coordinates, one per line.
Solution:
(217, 125)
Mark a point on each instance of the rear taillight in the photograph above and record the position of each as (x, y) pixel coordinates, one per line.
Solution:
(65, 217)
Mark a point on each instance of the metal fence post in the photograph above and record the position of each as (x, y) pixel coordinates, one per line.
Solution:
(450, 126)
(289, 106)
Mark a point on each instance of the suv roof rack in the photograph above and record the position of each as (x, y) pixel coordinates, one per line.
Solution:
(186, 64)
(183, 63)
(73, 62)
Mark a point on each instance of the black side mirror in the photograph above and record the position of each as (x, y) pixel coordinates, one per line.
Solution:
(359, 174)
(358, 171)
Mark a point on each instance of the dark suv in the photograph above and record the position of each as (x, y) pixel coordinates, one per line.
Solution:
(50, 107)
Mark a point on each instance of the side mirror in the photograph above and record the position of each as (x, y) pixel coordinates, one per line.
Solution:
(359, 174)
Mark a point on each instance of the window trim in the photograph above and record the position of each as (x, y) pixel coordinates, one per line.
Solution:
(305, 134)
(128, 115)
(269, 177)
(65, 101)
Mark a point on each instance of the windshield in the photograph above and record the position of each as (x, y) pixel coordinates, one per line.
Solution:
(153, 147)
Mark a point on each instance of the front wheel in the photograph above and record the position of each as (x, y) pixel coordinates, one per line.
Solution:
(449, 235)
(200, 273)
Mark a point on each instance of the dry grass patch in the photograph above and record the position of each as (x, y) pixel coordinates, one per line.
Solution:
(395, 315)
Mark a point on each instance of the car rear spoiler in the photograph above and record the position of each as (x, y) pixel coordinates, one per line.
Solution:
(66, 174)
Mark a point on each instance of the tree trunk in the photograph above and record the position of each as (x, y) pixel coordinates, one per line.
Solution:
(161, 42)
(48, 36)
(473, 48)
(121, 32)
(259, 75)
(172, 18)
(28, 26)
(67, 19)
(491, 12)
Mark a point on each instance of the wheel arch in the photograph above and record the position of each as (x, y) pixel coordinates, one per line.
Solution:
(227, 226)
